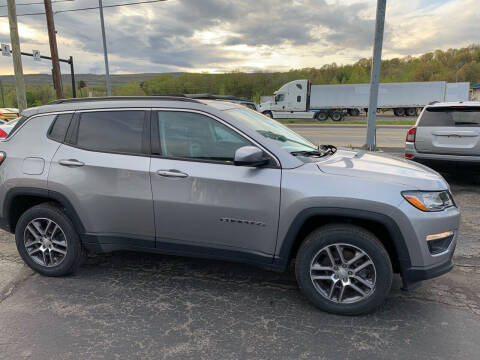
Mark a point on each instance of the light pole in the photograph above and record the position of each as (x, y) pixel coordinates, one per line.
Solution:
(105, 52)
(375, 77)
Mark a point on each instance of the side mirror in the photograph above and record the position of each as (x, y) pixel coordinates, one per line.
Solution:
(250, 156)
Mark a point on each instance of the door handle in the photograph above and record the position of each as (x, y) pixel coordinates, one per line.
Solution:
(71, 163)
(172, 173)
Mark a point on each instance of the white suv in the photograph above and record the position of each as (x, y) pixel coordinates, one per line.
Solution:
(446, 132)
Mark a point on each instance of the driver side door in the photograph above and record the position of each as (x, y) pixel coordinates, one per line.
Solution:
(203, 203)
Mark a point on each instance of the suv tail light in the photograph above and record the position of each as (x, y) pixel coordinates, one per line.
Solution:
(3, 155)
(411, 135)
(3, 134)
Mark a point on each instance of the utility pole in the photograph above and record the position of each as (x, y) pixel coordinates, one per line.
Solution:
(375, 77)
(105, 53)
(17, 57)
(52, 37)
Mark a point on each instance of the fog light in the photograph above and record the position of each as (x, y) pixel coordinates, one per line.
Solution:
(439, 243)
(439, 236)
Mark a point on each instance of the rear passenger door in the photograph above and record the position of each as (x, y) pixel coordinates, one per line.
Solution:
(102, 167)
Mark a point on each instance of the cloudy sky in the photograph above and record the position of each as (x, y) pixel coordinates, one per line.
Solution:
(248, 35)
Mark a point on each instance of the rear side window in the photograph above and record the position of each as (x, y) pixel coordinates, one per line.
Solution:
(111, 131)
(60, 126)
(451, 116)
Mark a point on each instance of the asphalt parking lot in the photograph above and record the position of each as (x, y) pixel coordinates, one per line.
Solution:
(130, 305)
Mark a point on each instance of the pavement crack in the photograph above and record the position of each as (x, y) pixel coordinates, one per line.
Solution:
(13, 286)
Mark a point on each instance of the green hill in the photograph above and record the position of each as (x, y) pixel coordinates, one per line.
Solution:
(462, 64)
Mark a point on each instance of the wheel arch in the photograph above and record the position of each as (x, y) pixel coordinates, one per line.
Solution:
(381, 225)
(18, 200)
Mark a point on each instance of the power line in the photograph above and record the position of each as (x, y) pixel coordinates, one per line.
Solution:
(37, 3)
(91, 8)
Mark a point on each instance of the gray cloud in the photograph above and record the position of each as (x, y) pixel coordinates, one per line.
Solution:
(160, 37)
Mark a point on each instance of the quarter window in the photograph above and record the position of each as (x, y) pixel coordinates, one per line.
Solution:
(60, 127)
(196, 136)
(111, 131)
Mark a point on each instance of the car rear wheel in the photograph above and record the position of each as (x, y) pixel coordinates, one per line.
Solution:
(47, 241)
(344, 269)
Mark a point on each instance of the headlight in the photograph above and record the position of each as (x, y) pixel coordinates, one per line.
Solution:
(429, 200)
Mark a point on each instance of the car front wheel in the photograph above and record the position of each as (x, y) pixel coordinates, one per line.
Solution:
(47, 241)
(344, 269)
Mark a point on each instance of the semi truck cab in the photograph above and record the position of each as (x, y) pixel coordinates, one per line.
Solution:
(291, 98)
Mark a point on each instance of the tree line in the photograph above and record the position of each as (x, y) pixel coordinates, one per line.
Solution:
(450, 65)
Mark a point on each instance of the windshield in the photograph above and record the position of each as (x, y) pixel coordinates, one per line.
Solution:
(273, 130)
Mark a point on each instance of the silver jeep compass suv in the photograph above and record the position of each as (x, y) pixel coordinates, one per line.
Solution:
(214, 179)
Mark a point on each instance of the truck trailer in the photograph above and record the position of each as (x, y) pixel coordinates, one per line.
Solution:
(300, 99)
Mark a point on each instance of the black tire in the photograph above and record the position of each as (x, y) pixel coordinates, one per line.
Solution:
(75, 253)
(399, 112)
(348, 235)
(268, 113)
(411, 111)
(321, 116)
(354, 112)
(336, 115)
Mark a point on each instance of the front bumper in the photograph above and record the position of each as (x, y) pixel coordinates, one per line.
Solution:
(419, 273)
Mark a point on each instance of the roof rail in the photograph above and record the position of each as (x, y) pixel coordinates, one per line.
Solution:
(208, 96)
(124, 98)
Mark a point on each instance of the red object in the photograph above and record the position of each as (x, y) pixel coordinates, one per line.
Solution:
(3, 155)
(3, 134)
(408, 156)
(411, 135)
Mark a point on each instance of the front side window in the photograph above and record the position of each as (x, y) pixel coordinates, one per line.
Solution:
(271, 129)
(451, 116)
(279, 97)
(196, 136)
(111, 131)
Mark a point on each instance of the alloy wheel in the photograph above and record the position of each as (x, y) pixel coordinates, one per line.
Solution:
(343, 273)
(45, 242)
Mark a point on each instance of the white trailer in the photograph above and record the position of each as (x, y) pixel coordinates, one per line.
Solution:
(299, 99)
